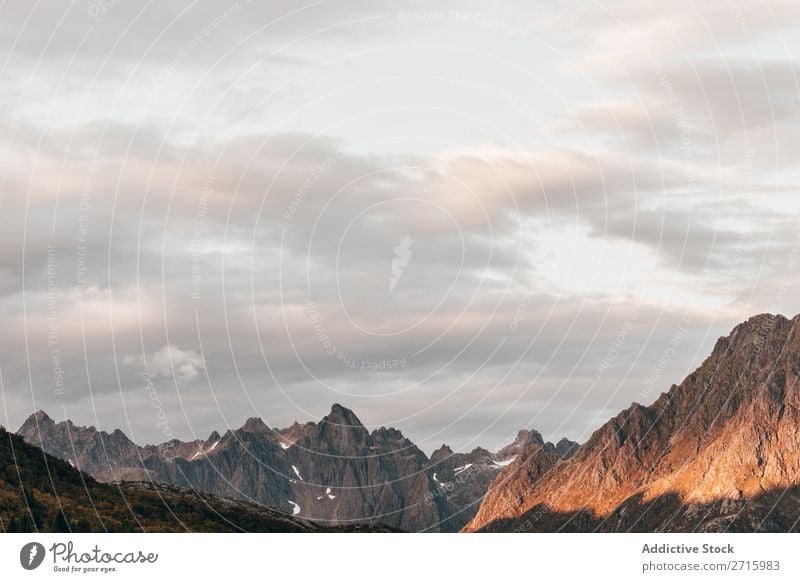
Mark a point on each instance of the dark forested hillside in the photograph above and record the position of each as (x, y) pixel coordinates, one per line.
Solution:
(40, 493)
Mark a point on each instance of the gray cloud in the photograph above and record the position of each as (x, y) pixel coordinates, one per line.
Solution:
(217, 231)
(169, 362)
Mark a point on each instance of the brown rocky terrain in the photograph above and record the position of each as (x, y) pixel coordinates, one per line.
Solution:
(721, 451)
(463, 478)
(41, 493)
(333, 472)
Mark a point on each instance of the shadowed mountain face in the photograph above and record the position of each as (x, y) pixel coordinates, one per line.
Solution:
(332, 472)
(463, 478)
(776, 510)
(720, 451)
(40, 493)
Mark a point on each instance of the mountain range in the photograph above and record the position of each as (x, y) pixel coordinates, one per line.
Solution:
(41, 493)
(718, 452)
(333, 472)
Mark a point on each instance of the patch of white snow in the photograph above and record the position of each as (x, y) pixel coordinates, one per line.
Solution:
(327, 495)
(505, 463)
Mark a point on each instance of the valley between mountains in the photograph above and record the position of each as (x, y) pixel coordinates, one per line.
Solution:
(718, 452)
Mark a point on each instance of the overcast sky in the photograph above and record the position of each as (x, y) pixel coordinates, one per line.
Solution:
(460, 222)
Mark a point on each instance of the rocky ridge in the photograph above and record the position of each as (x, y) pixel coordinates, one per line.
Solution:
(710, 452)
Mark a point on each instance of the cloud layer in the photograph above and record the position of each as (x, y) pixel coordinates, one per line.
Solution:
(211, 202)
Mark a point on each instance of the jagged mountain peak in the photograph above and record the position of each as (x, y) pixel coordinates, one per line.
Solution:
(728, 431)
(524, 439)
(565, 448)
(442, 453)
(762, 318)
(255, 424)
(389, 432)
(529, 435)
(39, 417)
(339, 415)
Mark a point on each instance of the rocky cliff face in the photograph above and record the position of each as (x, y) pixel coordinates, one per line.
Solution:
(708, 453)
(41, 493)
(107, 456)
(333, 472)
(339, 470)
(463, 478)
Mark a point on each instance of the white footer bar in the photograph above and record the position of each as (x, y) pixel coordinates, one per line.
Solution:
(390, 557)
